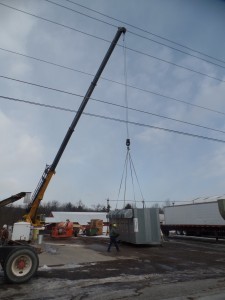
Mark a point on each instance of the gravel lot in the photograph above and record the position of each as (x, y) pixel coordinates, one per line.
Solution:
(81, 268)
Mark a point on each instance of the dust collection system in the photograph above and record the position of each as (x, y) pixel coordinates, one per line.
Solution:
(134, 225)
(20, 261)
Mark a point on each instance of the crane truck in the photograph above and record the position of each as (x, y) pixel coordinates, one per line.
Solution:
(20, 261)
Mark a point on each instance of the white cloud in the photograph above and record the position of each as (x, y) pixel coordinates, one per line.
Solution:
(211, 94)
(19, 68)
(17, 29)
(20, 154)
(215, 164)
(152, 136)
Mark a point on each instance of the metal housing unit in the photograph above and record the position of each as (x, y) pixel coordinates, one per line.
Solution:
(137, 225)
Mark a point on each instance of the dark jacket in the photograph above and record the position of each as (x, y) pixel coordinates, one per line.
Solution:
(4, 234)
(113, 232)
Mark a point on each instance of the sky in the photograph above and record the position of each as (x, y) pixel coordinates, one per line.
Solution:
(169, 65)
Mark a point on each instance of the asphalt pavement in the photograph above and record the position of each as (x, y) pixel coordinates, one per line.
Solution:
(81, 268)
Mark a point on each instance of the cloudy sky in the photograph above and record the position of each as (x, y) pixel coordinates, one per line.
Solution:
(173, 61)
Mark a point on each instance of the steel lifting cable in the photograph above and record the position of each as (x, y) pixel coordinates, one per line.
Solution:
(125, 182)
(128, 160)
(121, 182)
(127, 128)
(125, 96)
(131, 172)
(125, 84)
(137, 181)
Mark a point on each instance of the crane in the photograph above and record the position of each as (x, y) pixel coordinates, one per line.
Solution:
(20, 263)
(49, 171)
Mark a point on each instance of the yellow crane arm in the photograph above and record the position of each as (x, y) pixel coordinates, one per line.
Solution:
(31, 216)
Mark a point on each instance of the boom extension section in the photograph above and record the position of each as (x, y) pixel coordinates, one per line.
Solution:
(38, 195)
(12, 199)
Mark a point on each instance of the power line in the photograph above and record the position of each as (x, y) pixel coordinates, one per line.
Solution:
(114, 81)
(133, 50)
(146, 31)
(114, 119)
(113, 104)
(141, 36)
(156, 201)
(80, 13)
(54, 22)
(178, 50)
(176, 65)
(46, 61)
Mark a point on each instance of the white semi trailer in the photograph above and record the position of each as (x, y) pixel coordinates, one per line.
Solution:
(201, 218)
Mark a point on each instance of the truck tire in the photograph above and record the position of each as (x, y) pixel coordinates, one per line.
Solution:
(21, 265)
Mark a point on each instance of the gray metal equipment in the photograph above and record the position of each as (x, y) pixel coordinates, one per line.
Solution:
(137, 225)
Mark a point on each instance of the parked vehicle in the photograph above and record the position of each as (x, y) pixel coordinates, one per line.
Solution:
(204, 217)
(95, 227)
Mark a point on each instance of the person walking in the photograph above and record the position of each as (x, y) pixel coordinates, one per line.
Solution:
(4, 235)
(113, 234)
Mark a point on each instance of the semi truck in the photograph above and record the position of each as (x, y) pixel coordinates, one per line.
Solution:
(18, 259)
(202, 217)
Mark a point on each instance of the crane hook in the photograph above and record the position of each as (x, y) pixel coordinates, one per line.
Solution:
(128, 144)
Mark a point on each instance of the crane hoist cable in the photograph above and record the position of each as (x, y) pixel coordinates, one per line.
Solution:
(128, 165)
(125, 84)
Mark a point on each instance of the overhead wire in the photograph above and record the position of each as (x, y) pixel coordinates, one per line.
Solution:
(141, 36)
(114, 81)
(171, 98)
(80, 13)
(147, 31)
(153, 201)
(178, 50)
(114, 104)
(53, 22)
(105, 40)
(176, 65)
(113, 119)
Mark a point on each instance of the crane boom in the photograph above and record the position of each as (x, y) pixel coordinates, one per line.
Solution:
(38, 194)
(12, 199)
